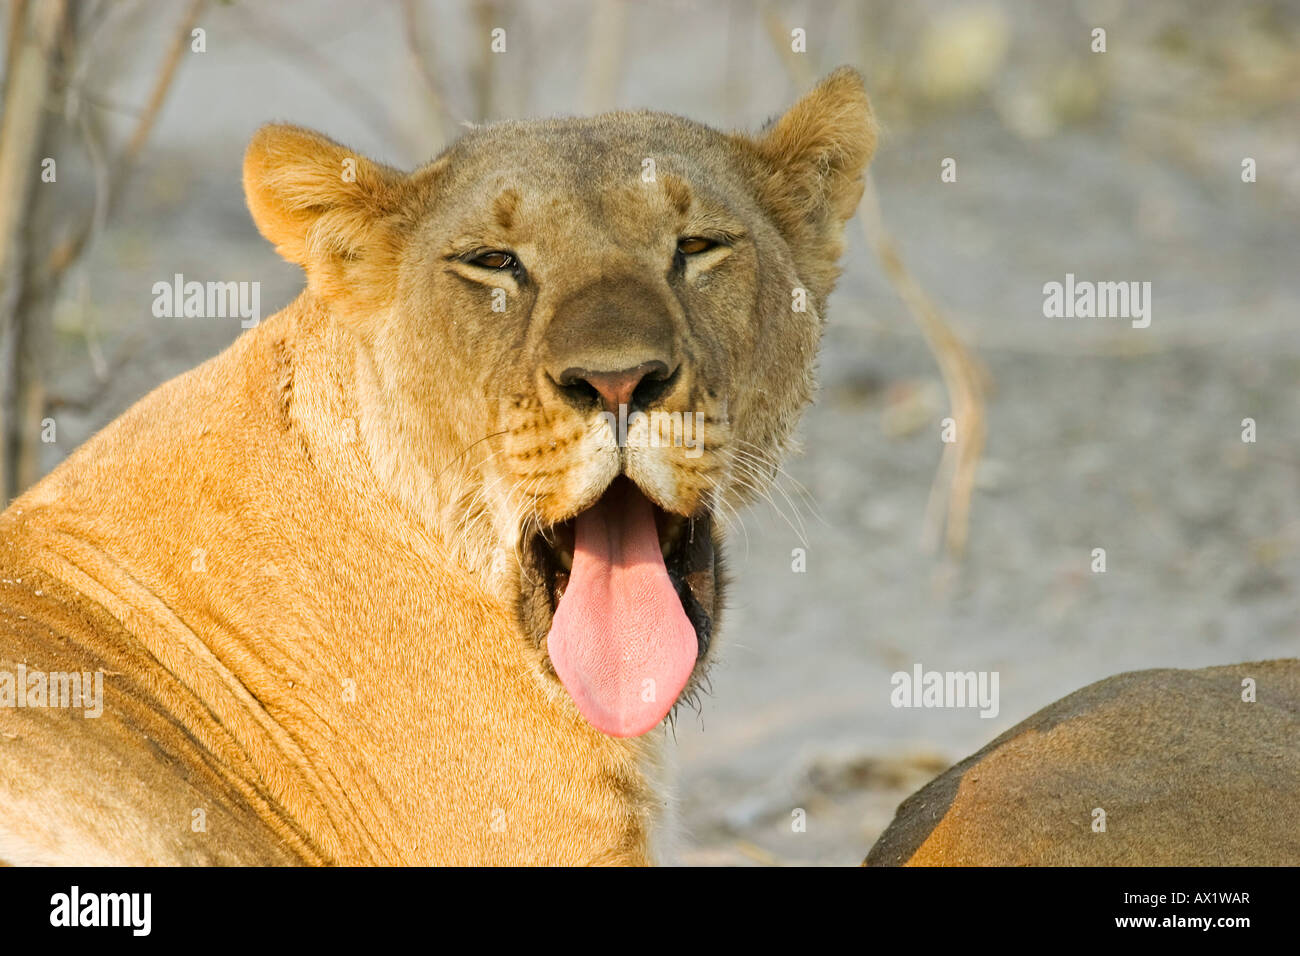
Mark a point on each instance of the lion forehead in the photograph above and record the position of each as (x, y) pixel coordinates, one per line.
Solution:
(554, 161)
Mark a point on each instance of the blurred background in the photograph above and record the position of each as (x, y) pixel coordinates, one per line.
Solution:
(1074, 434)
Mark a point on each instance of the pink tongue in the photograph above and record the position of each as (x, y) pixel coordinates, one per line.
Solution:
(620, 641)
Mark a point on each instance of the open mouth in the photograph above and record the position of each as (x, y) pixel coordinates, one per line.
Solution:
(622, 597)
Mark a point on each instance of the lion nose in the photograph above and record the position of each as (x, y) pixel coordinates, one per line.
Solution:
(636, 387)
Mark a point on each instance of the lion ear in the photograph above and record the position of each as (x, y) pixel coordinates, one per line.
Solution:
(812, 160)
(317, 201)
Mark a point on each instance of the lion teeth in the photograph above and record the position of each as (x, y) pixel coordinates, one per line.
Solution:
(566, 559)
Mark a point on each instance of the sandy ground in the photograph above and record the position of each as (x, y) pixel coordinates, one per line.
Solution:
(1100, 435)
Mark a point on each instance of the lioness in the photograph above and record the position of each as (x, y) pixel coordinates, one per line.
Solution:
(1150, 768)
(413, 572)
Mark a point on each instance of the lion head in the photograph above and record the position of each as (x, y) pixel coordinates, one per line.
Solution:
(579, 346)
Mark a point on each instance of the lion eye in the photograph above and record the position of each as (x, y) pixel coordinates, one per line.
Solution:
(494, 260)
(694, 245)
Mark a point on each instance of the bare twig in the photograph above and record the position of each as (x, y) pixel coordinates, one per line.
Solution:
(32, 49)
(604, 54)
(67, 252)
(162, 85)
(963, 376)
(421, 61)
(482, 70)
(14, 31)
(370, 108)
(796, 65)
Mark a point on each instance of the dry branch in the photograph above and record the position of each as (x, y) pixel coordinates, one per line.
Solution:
(421, 61)
(34, 35)
(31, 285)
(963, 376)
(67, 252)
(604, 56)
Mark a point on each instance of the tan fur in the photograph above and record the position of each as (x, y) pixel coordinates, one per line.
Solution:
(332, 506)
(1187, 773)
